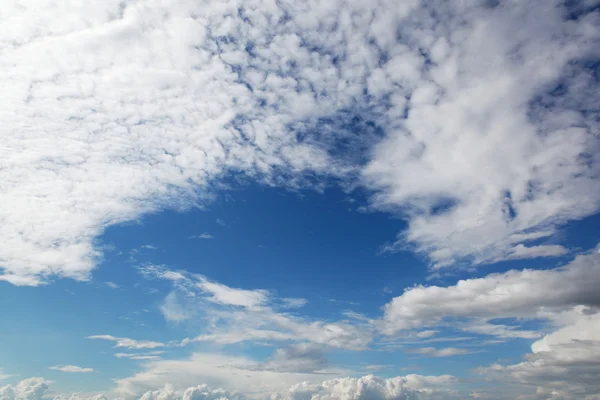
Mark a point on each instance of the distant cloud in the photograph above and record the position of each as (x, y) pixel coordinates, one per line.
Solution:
(3, 375)
(71, 368)
(245, 376)
(151, 355)
(111, 285)
(426, 334)
(128, 343)
(513, 294)
(523, 252)
(444, 352)
(289, 302)
(27, 389)
(204, 235)
(221, 222)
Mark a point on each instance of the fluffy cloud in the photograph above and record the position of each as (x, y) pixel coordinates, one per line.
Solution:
(513, 294)
(27, 389)
(129, 343)
(369, 387)
(71, 368)
(235, 373)
(562, 365)
(496, 147)
(109, 112)
(261, 384)
(200, 392)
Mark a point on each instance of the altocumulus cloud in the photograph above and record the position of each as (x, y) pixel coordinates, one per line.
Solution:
(474, 120)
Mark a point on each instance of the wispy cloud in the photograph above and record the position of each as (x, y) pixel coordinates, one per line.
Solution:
(251, 315)
(204, 235)
(128, 343)
(71, 368)
(112, 285)
(151, 355)
(443, 352)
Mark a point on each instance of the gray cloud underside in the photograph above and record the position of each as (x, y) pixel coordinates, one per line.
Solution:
(477, 123)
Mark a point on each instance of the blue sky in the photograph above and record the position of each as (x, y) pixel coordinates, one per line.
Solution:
(351, 200)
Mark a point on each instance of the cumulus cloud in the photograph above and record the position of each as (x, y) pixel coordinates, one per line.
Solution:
(513, 294)
(71, 368)
(128, 343)
(27, 389)
(474, 122)
(217, 370)
(372, 388)
(562, 365)
(200, 392)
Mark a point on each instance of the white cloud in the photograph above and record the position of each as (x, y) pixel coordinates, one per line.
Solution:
(293, 302)
(111, 285)
(372, 388)
(444, 352)
(128, 343)
(173, 310)
(204, 235)
(513, 294)
(225, 295)
(252, 380)
(303, 358)
(427, 333)
(520, 251)
(217, 370)
(27, 389)
(488, 152)
(234, 315)
(562, 365)
(125, 109)
(150, 355)
(3, 375)
(71, 368)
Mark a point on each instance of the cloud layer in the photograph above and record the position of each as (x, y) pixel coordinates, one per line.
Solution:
(413, 387)
(474, 121)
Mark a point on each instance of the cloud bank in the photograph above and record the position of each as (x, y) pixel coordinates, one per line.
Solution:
(476, 121)
(413, 387)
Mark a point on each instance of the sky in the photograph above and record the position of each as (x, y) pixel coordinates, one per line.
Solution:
(299, 200)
